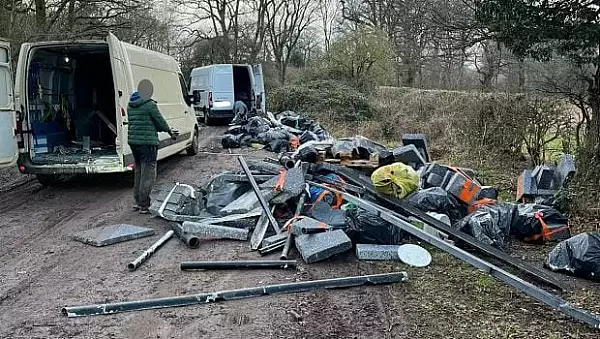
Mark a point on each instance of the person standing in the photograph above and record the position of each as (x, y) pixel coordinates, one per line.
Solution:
(145, 121)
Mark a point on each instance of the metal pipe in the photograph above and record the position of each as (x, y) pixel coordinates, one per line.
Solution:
(132, 266)
(263, 203)
(273, 247)
(510, 279)
(287, 162)
(190, 240)
(286, 247)
(290, 237)
(407, 209)
(203, 298)
(223, 265)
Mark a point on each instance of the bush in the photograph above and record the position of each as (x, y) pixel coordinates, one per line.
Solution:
(324, 99)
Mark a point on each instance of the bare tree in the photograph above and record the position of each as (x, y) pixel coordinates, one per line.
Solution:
(287, 20)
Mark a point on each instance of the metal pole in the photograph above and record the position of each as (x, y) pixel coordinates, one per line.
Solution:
(261, 199)
(132, 266)
(203, 298)
(290, 237)
(512, 280)
(273, 247)
(407, 209)
(190, 240)
(224, 265)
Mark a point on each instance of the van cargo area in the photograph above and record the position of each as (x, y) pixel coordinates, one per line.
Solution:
(242, 85)
(71, 104)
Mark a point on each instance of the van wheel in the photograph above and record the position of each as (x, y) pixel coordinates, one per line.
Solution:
(49, 179)
(194, 147)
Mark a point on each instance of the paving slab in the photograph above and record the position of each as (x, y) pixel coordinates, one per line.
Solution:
(108, 235)
(320, 246)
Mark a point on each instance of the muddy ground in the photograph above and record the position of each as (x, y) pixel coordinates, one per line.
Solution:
(43, 270)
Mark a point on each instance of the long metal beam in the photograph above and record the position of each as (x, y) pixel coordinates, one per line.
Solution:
(204, 298)
(237, 264)
(263, 203)
(409, 210)
(531, 290)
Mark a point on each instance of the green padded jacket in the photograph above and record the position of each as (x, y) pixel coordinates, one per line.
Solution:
(145, 121)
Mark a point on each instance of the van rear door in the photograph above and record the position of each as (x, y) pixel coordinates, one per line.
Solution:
(259, 88)
(117, 62)
(8, 123)
(222, 87)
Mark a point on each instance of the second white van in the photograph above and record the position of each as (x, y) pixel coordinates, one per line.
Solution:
(217, 87)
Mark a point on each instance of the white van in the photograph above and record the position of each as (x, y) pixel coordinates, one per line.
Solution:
(216, 88)
(69, 111)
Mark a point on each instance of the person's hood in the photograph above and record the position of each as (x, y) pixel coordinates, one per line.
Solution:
(136, 100)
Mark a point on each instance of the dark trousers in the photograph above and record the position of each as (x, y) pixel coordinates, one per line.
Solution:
(145, 173)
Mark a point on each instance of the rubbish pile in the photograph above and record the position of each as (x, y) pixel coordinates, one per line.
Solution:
(543, 183)
(278, 134)
(327, 197)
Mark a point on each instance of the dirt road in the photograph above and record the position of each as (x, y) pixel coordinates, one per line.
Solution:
(42, 270)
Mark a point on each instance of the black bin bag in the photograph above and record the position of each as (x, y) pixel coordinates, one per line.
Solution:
(219, 193)
(578, 255)
(367, 228)
(490, 224)
(437, 200)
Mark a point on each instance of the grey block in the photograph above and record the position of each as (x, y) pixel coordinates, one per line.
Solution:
(293, 184)
(565, 170)
(434, 180)
(215, 231)
(182, 201)
(308, 225)
(377, 252)
(107, 235)
(447, 178)
(544, 177)
(488, 192)
(420, 142)
(320, 246)
(456, 187)
(409, 155)
(247, 202)
(526, 186)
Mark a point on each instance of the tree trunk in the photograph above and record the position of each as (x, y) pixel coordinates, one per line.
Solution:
(40, 15)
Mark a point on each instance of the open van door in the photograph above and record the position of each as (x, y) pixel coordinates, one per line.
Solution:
(121, 80)
(259, 88)
(8, 123)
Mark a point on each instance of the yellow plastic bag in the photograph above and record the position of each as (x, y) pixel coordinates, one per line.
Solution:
(397, 179)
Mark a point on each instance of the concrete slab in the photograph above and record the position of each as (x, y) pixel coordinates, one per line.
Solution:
(565, 170)
(526, 186)
(377, 252)
(320, 246)
(419, 140)
(215, 231)
(409, 155)
(544, 177)
(108, 235)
